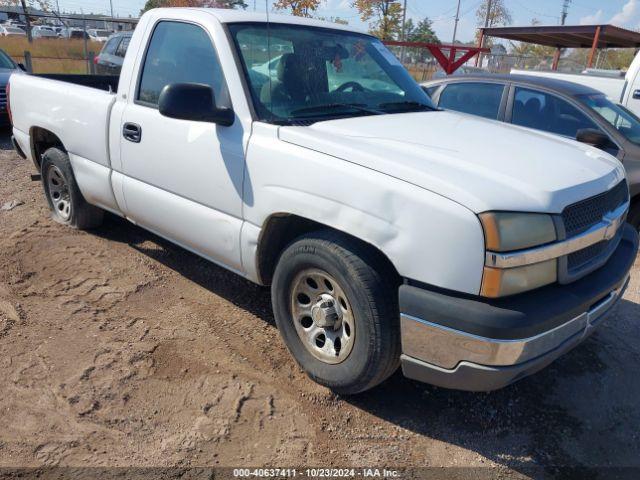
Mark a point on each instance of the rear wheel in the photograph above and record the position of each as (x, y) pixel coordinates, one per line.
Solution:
(67, 204)
(335, 303)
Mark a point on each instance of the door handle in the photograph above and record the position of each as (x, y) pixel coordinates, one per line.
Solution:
(636, 94)
(132, 132)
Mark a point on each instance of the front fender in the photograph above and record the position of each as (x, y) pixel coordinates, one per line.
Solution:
(427, 237)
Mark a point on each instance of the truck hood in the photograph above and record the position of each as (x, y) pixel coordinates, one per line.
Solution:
(481, 164)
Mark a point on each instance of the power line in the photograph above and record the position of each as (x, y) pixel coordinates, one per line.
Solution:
(537, 14)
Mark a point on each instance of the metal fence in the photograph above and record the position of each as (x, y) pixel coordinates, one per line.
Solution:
(60, 43)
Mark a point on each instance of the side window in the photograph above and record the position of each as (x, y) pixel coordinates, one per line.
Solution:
(549, 113)
(122, 48)
(482, 99)
(111, 46)
(431, 90)
(180, 53)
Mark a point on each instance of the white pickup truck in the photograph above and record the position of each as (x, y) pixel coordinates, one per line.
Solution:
(471, 252)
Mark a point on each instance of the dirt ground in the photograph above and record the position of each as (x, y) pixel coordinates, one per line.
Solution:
(120, 349)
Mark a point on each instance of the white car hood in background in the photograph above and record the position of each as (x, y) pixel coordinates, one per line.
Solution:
(481, 164)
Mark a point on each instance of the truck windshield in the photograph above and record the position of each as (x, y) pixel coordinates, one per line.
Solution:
(306, 74)
(619, 117)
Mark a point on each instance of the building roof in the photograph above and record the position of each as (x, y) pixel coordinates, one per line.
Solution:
(562, 86)
(569, 36)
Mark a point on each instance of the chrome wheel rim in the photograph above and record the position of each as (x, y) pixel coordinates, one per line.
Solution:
(59, 192)
(322, 316)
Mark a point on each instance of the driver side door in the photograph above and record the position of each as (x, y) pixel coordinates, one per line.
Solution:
(183, 178)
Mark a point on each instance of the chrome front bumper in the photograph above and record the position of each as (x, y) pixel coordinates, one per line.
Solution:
(446, 348)
(472, 343)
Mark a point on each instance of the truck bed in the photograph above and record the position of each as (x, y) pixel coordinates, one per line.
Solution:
(74, 107)
(108, 83)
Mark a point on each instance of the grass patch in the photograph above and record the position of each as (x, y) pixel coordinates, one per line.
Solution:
(51, 55)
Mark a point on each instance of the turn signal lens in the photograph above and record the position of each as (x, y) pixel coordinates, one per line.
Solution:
(498, 282)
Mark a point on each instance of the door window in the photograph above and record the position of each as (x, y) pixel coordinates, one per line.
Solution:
(111, 46)
(482, 99)
(122, 48)
(542, 111)
(180, 53)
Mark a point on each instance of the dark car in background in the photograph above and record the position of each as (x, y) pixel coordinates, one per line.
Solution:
(110, 60)
(550, 105)
(7, 68)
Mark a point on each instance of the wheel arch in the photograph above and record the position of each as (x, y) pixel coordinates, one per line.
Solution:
(280, 229)
(41, 140)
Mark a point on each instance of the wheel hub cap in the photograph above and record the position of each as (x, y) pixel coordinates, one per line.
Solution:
(325, 313)
(322, 316)
(59, 192)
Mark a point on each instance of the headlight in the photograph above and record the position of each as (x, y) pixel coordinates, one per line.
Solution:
(506, 232)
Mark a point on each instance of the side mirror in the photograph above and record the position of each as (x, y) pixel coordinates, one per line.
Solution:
(22, 67)
(193, 101)
(593, 137)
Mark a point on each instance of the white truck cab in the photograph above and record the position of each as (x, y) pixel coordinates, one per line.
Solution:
(471, 252)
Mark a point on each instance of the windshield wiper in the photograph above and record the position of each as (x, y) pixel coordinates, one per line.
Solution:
(407, 105)
(336, 106)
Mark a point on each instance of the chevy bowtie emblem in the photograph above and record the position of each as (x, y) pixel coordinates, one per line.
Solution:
(612, 225)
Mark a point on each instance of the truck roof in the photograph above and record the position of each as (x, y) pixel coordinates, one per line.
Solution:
(229, 15)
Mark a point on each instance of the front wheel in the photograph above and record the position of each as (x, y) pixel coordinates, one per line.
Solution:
(335, 304)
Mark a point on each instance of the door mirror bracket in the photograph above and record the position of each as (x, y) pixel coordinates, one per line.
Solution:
(193, 101)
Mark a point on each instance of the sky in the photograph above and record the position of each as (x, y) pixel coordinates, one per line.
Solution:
(624, 13)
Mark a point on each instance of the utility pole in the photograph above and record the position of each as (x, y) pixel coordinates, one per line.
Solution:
(27, 21)
(565, 11)
(455, 27)
(404, 29)
(58, 7)
(488, 17)
(486, 25)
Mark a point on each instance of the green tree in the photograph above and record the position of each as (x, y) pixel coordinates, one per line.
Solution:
(299, 8)
(423, 32)
(385, 17)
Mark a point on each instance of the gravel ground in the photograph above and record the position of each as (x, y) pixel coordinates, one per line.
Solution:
(120, 349)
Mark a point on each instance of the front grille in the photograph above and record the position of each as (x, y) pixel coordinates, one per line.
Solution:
(3, 97)
(583, 215)
(581, 258)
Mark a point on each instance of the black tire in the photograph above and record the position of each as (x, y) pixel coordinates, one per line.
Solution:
(634, 215)
(66, 202)
(371, 288)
